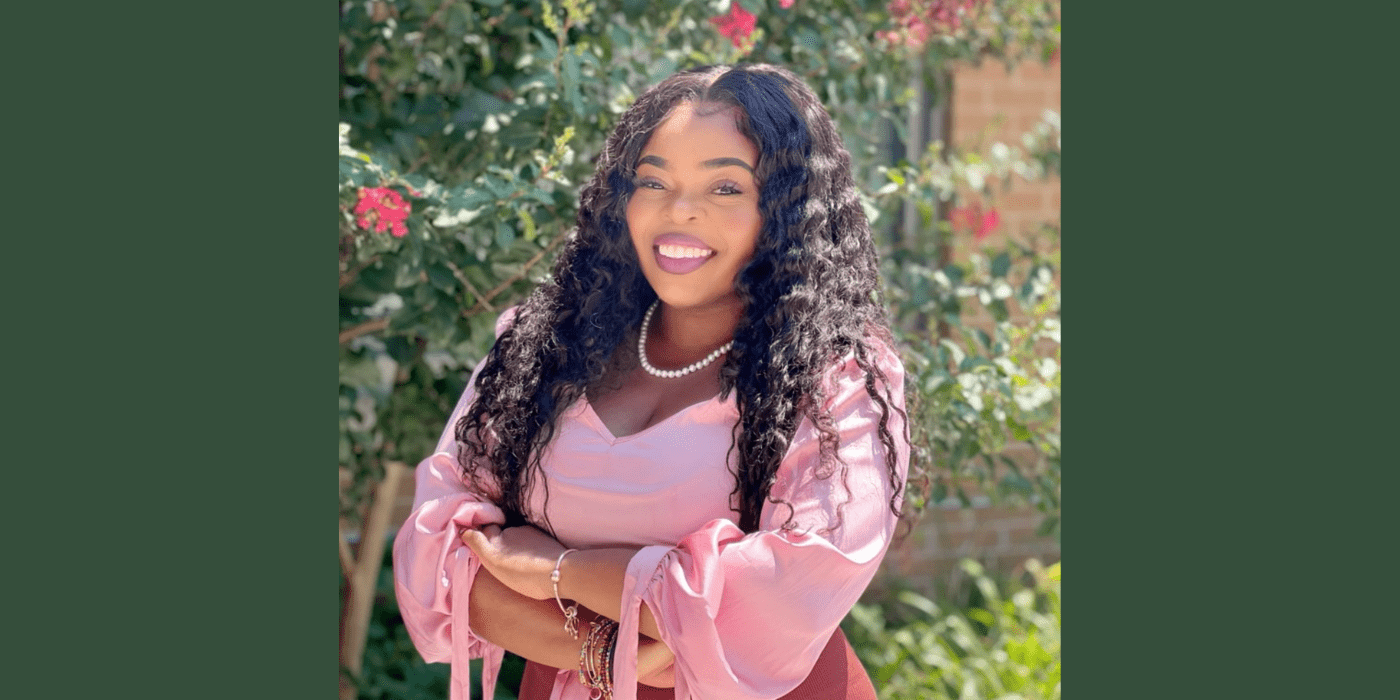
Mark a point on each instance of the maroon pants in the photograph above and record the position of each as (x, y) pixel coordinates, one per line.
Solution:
(838, 675)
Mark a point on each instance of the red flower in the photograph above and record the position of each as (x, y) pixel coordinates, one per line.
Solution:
(785, 4)
(916, 22)
(990, 220)
(381, 208)
(737, 25)
(973, 219)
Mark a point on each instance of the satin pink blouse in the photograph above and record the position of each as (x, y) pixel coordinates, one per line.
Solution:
(746, 615)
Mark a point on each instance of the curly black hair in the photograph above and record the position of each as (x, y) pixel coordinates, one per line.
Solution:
(811, 295)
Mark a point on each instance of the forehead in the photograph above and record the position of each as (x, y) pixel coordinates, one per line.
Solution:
(698, 133)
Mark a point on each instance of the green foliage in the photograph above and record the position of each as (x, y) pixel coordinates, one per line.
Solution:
(486, 116)
(975, 393)
(982, 338)
(1007, 645)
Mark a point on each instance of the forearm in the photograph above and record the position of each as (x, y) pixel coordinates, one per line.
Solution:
(534, 629)
(594, 578)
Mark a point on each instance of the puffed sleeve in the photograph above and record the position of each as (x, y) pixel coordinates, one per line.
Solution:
(748, 615)
(434, 570)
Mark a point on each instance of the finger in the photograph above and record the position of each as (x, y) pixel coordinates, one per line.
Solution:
(473, 539)
(491, 532)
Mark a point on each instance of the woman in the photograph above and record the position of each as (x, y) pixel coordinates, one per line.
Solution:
(612, 501)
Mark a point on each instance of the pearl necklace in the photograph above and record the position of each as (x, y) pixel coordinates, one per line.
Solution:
(671, 373)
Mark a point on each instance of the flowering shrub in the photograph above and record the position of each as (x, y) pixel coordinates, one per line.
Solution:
(917, 20)
(380, 208)
(737, 25)
(971, 219)
(467, 128)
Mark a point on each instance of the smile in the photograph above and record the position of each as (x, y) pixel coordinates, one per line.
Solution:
(679, 254)
(679, 251)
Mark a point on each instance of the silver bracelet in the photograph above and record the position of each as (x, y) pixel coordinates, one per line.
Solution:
(571, 612)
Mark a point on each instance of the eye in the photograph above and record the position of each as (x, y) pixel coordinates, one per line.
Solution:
(650, 184)
(728, 188)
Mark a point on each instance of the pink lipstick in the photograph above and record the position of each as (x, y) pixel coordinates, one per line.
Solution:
(679, 254)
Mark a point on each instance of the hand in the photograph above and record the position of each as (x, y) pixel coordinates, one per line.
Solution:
(522, 558)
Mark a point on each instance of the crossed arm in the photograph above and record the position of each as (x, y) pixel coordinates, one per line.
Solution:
(513, 600)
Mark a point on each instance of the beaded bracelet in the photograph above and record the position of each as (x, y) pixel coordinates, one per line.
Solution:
(596, 658)
(570, 613)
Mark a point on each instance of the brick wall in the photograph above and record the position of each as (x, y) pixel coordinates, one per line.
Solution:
(981, 96)
(1001, 538)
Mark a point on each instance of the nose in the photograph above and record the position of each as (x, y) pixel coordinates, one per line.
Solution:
(684, 207)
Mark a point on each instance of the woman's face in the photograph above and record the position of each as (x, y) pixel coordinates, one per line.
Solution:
(693, 216)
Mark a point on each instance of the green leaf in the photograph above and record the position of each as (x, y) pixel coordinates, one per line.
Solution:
(505, 235)
(571, 81)
(1018, 431)
(498, 188)
(529, 223)
(441, 277)
(999, 310)
(458, 19)
(400, 349)
(983, 338)
(551, 47)
(1001, 264)
(661, 68)
(468, 197)
(377, 278)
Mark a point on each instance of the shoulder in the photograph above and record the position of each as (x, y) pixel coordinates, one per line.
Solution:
(506, 320)
(846, 375)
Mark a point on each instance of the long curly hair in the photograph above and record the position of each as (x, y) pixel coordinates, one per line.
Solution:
(811, 295)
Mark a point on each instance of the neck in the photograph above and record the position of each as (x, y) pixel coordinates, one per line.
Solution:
(693, 333)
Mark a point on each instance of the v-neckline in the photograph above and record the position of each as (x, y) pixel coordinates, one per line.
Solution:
(602, 427)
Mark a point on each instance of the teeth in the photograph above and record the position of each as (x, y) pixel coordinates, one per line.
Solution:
(680, 251)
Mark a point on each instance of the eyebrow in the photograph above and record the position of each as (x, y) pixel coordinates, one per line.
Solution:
(660, 162)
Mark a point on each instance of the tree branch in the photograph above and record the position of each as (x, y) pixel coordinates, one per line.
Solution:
(349, 275)
(367, 327)
(483, 303)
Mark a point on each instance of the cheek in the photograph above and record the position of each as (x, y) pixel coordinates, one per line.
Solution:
(632, 216)
(747, 225)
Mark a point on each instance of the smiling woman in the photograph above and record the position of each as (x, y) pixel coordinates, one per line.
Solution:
(633, 516)
(694, 216)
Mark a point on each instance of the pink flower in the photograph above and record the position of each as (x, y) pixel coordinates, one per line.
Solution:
(737, 25)
(990, 220)
(973, 219)
(381, 208)
(916, 21)
(785, 4)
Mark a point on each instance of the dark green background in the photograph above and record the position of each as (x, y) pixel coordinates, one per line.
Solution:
(169, 278)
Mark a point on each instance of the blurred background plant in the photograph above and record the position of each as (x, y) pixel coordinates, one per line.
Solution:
(1002, 642)
(466, 130)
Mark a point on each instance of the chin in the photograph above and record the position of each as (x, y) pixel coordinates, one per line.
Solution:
(678, 299)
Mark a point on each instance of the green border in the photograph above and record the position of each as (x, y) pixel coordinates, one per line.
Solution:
(245, 493)
(175, 506)
(1203, 347)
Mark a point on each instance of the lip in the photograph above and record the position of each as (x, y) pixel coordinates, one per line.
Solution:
(679, 266)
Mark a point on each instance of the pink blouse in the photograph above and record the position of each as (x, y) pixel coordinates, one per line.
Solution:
(746, 615)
